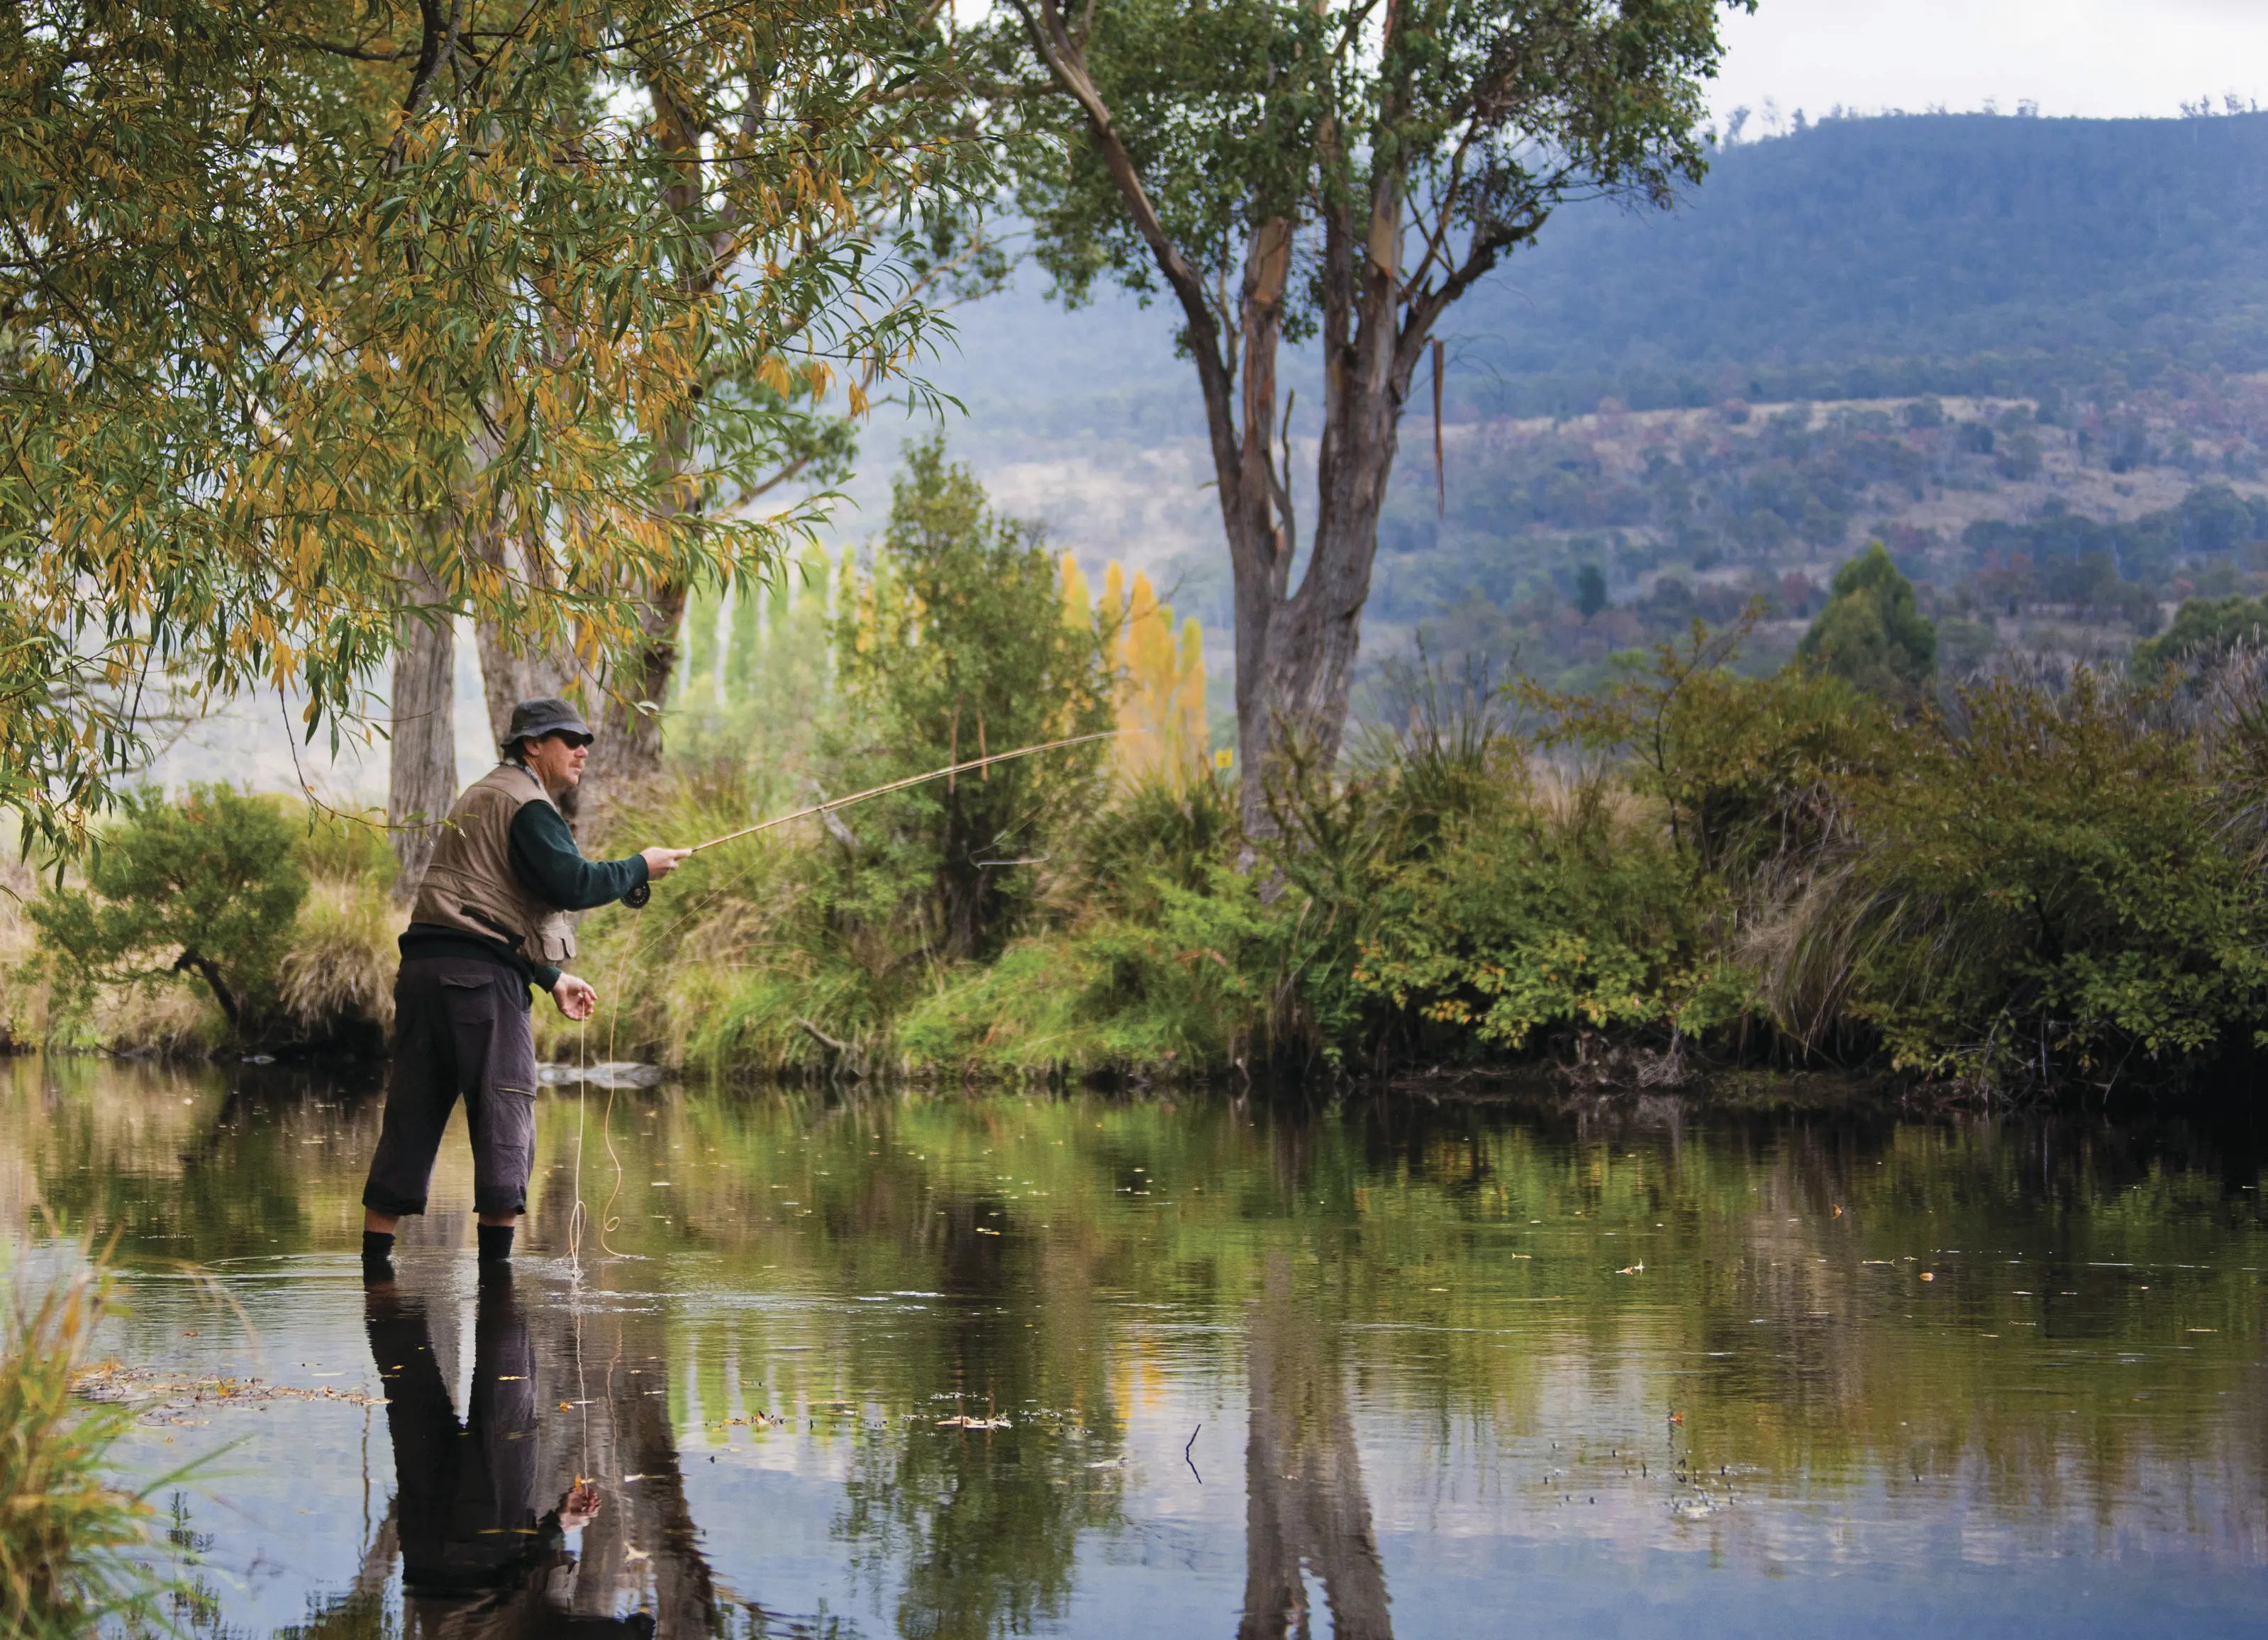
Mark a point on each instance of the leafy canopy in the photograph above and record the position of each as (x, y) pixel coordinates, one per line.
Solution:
(285, 283)
(1483, 115)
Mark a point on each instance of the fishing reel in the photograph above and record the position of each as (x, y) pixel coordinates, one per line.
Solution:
(639, 895)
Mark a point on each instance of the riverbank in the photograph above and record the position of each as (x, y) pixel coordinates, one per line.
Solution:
(2042, 886)
(2049, 883)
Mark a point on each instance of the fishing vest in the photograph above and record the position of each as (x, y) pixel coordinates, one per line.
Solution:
(469, 884)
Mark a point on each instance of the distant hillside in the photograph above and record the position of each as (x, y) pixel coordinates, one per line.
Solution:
(2066, 263)
(1962, 254)
(1867, 258)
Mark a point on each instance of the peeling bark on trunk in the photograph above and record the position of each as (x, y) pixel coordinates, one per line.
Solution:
(422, 771)
(1296, 650)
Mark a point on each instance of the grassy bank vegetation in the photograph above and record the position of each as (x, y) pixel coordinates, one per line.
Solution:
(213, 919)
(2047, 879)
(2050, 880)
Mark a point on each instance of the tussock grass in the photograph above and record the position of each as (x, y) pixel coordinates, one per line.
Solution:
(340, 966)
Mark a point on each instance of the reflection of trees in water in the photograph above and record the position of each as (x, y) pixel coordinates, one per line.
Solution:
(983, 1526)
(597, 1407)
(1809, 1349)
(1305, 1507)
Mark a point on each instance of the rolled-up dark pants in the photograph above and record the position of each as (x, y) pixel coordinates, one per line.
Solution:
(461, 1030)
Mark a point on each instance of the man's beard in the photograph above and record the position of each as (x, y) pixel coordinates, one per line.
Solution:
(571, 801)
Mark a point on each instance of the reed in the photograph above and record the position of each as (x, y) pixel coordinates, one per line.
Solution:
(75, 1550)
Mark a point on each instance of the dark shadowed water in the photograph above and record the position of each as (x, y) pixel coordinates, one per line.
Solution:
(1254, 1368)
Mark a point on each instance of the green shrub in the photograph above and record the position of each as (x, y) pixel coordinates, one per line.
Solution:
(1539, 914)
(209, 885)
(1872, 634)
(958, 645)
(1746, 767)
(1204, 980)
(1157, 833)
(2049, 892)
(2204, 629)
(346, 848)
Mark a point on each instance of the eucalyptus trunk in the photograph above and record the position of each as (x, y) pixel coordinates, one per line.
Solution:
(1285, 168)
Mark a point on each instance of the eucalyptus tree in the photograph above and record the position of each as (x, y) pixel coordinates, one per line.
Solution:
(1285, 170)
(284, 281)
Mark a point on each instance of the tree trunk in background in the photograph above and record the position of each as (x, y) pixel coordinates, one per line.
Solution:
(422, 776)
(506, 679)
(508, 676)
(628, 754)
(628, 749)
(625, 708)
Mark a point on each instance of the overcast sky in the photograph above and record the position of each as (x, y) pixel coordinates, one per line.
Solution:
(2097, 57)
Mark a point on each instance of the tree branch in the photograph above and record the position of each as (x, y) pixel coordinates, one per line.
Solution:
(190, 962)
(358, 53)
(1065, 61)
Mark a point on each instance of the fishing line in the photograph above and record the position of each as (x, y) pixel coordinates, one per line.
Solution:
(949, 770)
(580, 1214)
(694, 907)
(608, 1222)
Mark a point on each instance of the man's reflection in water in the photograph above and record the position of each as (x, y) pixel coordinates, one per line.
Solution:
(476, 1560)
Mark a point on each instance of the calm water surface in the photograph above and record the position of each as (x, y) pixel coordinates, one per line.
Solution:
(1256, 1369)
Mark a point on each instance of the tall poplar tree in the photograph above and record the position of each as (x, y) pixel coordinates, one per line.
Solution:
(1283, 170)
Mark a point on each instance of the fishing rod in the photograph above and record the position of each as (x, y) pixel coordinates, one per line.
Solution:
(639, 895)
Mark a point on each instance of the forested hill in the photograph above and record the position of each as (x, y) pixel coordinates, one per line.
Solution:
(1866, 257)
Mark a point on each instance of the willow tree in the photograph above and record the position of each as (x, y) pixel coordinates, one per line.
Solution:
(284, 282)
(1284, 170)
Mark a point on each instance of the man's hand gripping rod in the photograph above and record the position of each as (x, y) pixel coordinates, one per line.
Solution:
(643, 892)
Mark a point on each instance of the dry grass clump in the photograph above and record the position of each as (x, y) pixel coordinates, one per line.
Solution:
(67, 1537)
(166, 1018)
(341, 962)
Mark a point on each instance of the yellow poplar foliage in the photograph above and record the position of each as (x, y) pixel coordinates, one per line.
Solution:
(1160, 673)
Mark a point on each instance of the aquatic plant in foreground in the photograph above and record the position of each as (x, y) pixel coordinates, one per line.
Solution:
(71, 1542)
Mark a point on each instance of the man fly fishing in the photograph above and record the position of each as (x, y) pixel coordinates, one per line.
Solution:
(491, 924)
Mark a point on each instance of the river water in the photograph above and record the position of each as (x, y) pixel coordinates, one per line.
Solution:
(1227, 1367)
